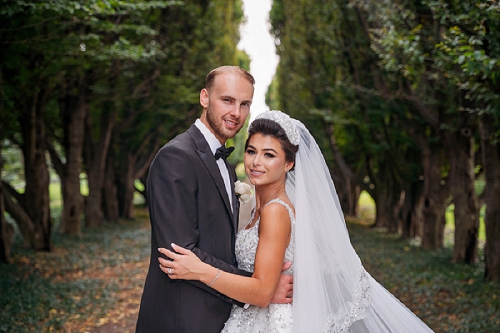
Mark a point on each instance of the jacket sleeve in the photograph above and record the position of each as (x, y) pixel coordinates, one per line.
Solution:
(172, 190)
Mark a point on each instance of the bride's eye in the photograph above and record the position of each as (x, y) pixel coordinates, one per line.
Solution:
(250, 151)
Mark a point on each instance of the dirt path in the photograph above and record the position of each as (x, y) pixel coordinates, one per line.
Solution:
(123, 317)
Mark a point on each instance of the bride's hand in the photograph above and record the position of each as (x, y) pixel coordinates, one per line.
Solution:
(184, 264)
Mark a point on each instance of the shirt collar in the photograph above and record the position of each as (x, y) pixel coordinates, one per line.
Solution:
(213, 142)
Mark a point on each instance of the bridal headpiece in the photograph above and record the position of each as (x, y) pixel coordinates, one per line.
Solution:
(284, 121)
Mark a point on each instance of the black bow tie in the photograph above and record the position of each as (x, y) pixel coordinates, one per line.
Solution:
(223, 152)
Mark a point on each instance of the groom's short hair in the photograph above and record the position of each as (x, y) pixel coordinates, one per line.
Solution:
(209, 82)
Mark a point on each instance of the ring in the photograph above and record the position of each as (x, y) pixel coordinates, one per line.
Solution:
(169, 271)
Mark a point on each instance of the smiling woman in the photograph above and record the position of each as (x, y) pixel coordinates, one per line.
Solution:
(265, 160)
(297, 218)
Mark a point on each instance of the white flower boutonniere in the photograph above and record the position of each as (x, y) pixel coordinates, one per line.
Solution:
(243, 191)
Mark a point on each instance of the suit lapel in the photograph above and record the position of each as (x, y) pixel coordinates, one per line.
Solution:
(203, 150)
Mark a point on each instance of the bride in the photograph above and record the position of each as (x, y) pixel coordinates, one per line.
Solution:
(297, 218)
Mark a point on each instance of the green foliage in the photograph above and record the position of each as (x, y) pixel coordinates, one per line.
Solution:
(12, 167)
(460, 46)
(327, 79)
(136, 67)
(470, 49)
(272, 95)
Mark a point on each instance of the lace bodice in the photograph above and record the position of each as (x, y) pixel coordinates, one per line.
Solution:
(275, 318)
(247, 240)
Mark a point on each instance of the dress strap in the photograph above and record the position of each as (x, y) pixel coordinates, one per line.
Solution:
(284, 204)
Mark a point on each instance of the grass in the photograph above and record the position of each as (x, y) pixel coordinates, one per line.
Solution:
(96, 280)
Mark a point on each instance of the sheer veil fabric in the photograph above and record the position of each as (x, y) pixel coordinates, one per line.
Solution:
(332, 290)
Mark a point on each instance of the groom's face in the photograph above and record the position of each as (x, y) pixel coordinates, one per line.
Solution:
(227, 105)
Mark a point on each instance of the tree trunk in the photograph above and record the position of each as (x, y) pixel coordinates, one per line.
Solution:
(13, 206)
(110, 192)
(6, 230)
(434, 199)
(386, 200)
(411, 211)
(386, 194)
(461, 180)
(352, 199)
(96, 163)
(131, 167)
(346, 186)
(348, 192)
(73, 111)
(491, 164)
(6, 234)
(126, 187)
(36, 195)
(93, 208)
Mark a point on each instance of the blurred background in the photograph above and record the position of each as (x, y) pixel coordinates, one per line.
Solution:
(403, 98)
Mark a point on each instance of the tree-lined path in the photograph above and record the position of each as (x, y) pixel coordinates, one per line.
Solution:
(403, 98)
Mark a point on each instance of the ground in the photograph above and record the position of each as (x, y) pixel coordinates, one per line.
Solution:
(123, 316)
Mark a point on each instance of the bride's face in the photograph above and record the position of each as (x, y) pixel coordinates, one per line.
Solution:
(265, 161)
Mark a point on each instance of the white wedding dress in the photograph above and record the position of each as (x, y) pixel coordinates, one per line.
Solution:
(276, 317)
(332, 292)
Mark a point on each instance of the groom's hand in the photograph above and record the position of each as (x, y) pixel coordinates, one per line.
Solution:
(284, 291)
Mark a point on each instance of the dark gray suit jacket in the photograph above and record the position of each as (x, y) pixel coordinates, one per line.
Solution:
(188, 206)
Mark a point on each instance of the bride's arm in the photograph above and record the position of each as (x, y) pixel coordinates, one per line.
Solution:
(274, 237)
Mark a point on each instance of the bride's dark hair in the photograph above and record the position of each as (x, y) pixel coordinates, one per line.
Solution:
(272, 128)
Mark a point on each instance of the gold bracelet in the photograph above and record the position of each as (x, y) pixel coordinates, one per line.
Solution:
(215, 279)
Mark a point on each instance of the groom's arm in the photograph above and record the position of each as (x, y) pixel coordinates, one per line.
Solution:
(172, 187)
(284, 291)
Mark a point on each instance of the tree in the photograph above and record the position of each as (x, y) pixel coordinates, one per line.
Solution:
(90, 82)
(170, 103)
(6, 229)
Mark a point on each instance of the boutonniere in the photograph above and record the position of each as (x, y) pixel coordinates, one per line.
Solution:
(243, 191)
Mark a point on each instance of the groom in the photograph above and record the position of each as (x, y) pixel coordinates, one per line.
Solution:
(192, 203)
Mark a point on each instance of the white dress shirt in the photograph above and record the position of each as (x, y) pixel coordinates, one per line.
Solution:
(214, 143)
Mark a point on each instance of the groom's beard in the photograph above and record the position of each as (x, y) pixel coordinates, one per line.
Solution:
(218, 126)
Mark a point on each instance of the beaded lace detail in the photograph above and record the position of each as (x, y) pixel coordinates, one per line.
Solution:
(247, 240)
(275, 317)
(285, 122)
(356, 308)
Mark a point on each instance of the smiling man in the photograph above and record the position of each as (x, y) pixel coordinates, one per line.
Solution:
(192, 203)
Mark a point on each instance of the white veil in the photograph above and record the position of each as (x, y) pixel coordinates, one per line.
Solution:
(332, 290)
